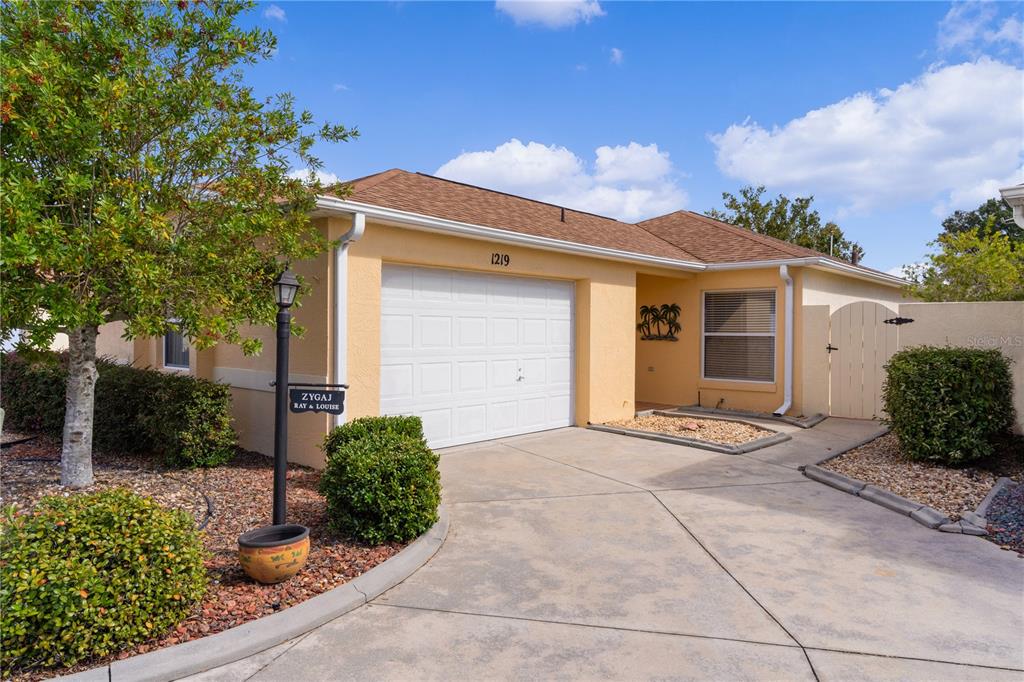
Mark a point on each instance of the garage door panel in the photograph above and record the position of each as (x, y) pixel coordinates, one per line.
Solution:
(504, 373)
(396, 331)
(504, 332)
(471, 332)
(396, 284)
(432, 285)
(434, 331)
(435, 378)
(396, 382)
(502, 292)
(467, 289)
(534, 332)
(475, 355)
(560, 333)
(437, 424)
(471, 420)
(535, 373)
(472, 376)
(501, 416)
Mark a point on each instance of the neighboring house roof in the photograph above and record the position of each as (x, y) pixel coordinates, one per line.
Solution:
(682, 236)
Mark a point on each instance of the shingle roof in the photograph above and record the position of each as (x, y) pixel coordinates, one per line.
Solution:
(716, 242)
(682, 235)
(427, 195)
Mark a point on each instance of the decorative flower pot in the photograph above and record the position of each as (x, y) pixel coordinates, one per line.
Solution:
(273, 554)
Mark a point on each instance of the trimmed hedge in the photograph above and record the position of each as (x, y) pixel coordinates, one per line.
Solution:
(381, 480)
(89, 575)
(947, 404)
(358, 429)
(187, 420)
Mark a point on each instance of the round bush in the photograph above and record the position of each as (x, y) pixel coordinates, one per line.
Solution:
(947, 404)
(382, 487)
(89, 575)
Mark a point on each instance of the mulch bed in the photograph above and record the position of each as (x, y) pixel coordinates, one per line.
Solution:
(711, 430)
(241, 496)
(1006, 518)
(951, 491)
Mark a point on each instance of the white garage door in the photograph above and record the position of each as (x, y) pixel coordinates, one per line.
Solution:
(476, 356)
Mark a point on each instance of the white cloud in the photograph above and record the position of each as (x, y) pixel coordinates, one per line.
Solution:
(550, 13)
(274, 12)
(340, 87)
(616, 56)
(968, 26)
(325, 177)
(952, 135)
(630, 182)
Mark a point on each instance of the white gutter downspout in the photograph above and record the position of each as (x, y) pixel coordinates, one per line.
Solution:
(341, 304)
(787, 368)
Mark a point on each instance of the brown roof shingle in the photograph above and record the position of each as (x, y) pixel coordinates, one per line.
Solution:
(682, 235)
(716, 242)
(427, 195)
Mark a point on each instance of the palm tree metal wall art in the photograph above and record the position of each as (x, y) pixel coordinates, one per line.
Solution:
(659, 323)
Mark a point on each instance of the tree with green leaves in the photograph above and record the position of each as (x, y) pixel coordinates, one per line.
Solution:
(970, 265)
(995, 215)
(791, 220)
(142, 181)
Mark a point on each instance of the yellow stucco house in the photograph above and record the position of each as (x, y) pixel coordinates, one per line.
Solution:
(489, 314)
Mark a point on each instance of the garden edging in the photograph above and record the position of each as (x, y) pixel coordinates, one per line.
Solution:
(250, 638)
(971, 523)
(724, 448)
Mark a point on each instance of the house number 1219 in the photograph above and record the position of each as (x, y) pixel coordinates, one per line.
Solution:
(500, 259)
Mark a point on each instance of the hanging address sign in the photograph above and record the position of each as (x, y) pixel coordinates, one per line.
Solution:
(328, 398)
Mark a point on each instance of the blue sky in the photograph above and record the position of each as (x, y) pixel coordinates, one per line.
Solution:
(890, 114)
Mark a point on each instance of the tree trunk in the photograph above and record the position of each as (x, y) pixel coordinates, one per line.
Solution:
(76, 454)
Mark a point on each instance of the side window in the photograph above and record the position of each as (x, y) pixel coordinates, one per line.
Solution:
(175, 351)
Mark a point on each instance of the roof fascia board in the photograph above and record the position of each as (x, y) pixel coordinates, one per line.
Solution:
(817, 263)
(328, 205)
(331, 205)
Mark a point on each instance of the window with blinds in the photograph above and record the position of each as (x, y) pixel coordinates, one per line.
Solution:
(739, 335)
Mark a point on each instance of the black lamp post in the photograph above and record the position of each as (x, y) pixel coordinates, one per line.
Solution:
(275, 553)
(285, 287)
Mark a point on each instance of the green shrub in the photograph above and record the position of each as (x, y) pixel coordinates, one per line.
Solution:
(384, 486)
(187, 420)
(89, 575)
(947, 404)
(365, 426)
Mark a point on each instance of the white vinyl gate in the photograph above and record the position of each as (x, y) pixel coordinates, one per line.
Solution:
(860, 343)
(476, 355)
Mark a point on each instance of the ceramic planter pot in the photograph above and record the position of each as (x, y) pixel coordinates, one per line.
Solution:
(273, 554)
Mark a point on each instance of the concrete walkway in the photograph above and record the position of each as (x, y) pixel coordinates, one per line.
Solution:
(575, 554)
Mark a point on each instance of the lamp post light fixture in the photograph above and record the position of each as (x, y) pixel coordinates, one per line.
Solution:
(285, 287)
(275, 553)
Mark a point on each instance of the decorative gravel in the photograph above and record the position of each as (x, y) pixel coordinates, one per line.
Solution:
(950, 491)
(241, 493)
(711, 430)
(1006, 518)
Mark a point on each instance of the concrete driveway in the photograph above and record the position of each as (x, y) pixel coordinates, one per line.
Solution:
(575, 554)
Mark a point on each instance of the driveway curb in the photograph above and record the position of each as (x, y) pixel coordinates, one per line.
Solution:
(250, 638)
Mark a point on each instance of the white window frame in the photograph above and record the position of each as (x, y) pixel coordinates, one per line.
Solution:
(163, 352)
(774, 334)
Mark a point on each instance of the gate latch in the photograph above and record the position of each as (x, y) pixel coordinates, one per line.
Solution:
(897, 321)
(830, 348)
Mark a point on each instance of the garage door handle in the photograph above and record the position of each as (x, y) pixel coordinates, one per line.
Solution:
(830, 348)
